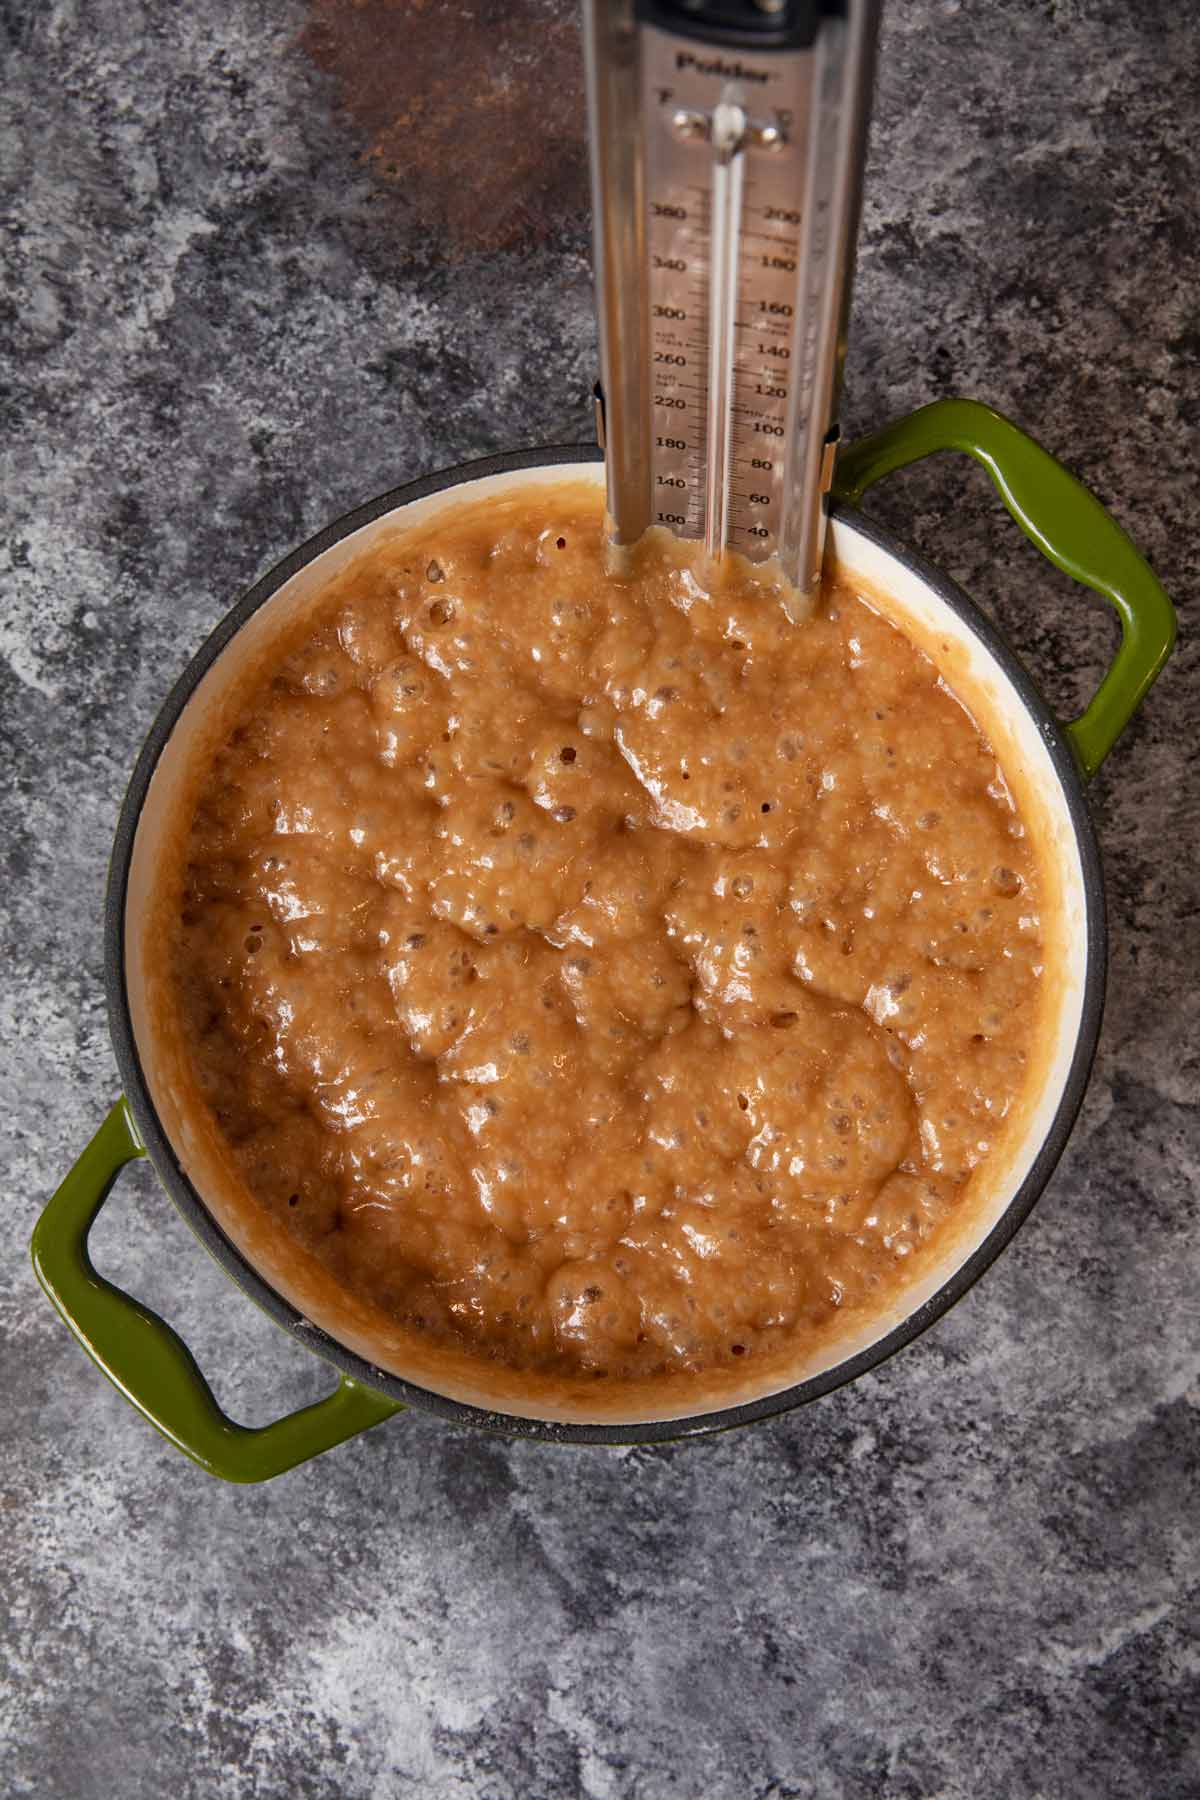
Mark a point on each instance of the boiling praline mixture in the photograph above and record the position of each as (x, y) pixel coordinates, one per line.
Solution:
(601, 974)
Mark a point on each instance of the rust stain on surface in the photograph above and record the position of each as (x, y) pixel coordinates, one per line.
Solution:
(472, 114)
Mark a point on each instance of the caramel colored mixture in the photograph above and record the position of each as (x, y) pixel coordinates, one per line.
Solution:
(604, 975)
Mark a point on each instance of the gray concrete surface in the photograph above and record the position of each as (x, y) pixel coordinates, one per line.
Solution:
(245, 286)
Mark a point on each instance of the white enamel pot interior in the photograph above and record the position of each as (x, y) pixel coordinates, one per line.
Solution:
(1038, 762)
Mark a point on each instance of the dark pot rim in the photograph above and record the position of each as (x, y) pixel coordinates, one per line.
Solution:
(243, 1273)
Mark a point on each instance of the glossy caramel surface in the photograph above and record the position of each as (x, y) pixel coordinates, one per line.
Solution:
(605, 975)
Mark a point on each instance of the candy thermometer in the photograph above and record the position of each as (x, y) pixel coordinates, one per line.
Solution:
(727, 143)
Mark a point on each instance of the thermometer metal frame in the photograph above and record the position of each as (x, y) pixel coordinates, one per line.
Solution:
(726, 186)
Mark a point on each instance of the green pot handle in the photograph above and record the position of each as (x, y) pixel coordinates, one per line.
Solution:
(1067, 524)
(147, 1361)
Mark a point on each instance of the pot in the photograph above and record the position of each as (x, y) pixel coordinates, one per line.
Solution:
(145, 1358)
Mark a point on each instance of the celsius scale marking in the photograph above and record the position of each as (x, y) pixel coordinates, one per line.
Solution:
(725, 186)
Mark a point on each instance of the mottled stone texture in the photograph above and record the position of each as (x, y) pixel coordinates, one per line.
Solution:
(225, 320)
